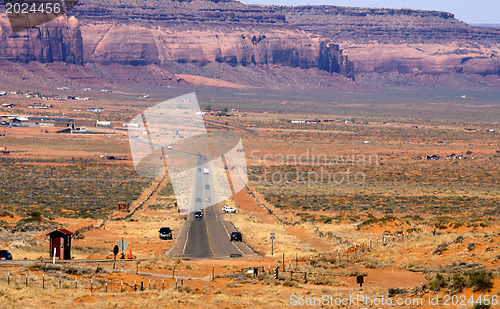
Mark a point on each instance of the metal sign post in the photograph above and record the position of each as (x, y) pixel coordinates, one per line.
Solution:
(273, 237)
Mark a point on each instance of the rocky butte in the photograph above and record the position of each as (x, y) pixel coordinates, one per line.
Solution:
(173, 41)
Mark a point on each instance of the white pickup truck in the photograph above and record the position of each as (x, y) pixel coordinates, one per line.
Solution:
(227, 209)
(206, 171)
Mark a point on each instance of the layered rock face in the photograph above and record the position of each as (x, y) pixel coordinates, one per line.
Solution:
(151, 32)
(137, 45)
(200, 32)
(402, 41)
(58, 40)
(205, 33)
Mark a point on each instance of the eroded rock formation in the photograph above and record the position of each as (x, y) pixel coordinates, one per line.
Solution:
(58, 40)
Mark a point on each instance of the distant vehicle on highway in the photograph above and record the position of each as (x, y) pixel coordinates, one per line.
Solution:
(5, 255)
(227, 209)
(236, 236)
(198, 214)
(207, 200)
(207, 187)
(206, 170)
(198, 199)
(165, 233)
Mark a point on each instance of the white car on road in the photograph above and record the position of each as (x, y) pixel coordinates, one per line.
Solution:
(227, 209)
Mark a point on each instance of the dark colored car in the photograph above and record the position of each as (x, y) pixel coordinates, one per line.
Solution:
(198, 214)
(165, 233)
(5, 255)
(236, 236)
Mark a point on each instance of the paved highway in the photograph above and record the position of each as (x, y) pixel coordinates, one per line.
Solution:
(207, 237)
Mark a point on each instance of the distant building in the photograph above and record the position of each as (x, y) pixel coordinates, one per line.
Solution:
(49, 121)
(95, 110)
(131, 125)
(103, 123)
(40, 106)
(433, 157)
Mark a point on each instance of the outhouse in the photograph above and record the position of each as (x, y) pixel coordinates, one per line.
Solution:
(60, 244)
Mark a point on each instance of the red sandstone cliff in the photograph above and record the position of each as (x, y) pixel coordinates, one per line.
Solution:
(378, 45)
(58, 40)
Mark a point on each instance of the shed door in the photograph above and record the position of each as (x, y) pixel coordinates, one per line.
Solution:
(56, 243)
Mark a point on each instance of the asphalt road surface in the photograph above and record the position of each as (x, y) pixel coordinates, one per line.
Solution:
(207, 237)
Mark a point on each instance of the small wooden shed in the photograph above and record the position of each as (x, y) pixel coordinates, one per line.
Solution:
(60, 242)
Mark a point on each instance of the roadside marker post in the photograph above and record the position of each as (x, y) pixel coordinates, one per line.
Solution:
(273, 237)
